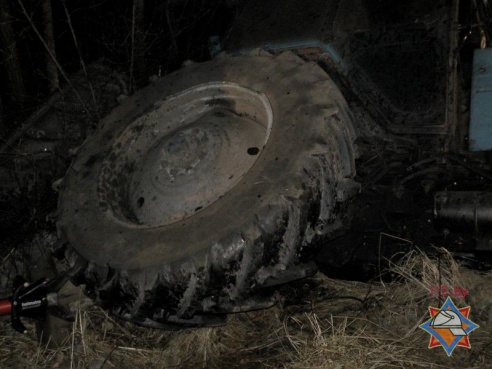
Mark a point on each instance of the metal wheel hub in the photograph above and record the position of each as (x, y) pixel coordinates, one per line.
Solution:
(185, 154)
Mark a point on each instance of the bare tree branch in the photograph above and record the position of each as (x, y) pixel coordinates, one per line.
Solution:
(132, 56)
(50, 43)
(82, 63)
(10, 57)
(53, 58)
(137, 61)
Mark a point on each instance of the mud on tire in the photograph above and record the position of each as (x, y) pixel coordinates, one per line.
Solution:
(205, 190)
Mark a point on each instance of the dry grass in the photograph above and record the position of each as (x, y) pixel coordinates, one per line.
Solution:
(318, 323)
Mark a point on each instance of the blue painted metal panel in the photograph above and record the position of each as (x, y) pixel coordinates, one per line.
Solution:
(480, 132)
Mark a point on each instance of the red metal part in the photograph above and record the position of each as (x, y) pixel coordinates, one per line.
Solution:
(5, 307)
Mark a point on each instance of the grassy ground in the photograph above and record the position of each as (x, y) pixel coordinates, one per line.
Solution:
(318, 323)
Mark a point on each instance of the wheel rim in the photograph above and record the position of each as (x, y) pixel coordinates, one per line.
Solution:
(185, 154)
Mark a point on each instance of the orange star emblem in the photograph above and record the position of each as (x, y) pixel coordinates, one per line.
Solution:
(449, 326)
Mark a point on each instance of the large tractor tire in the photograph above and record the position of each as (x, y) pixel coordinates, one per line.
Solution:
(205, 190)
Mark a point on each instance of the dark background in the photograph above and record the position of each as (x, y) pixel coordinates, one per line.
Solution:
(167, 33)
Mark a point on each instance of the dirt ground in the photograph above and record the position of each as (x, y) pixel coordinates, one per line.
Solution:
(317, 323)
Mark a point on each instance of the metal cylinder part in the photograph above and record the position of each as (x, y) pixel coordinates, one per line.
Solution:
(467, 209)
